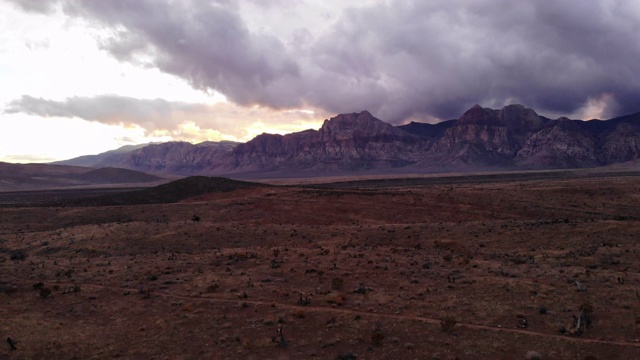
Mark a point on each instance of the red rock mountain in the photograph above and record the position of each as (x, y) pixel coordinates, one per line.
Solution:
(509, 138)
(346, 142)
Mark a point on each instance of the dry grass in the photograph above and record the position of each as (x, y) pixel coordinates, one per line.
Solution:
(155, 284)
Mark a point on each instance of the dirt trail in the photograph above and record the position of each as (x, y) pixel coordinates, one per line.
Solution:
(326, 309)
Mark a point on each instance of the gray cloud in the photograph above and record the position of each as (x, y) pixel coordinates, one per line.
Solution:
(27, 158)
(161, 117)
(36, 6)
(109, 109)
(398, 59)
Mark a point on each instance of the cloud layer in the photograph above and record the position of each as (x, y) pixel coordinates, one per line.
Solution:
(400, 59)
(187, 121)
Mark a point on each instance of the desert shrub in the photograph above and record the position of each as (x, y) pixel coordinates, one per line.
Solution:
(45, 292)
(448, 323)
(533, 355)
(20, 255)
(298, 313)
(587, 307)
(336, 299)
(347, 356)
(213, 288)
(337, 284)
(586, 310)
(444, 244)
(305, 299)
(8, 290)
(239, 256)
(66, 273)
(519, 260)
(542, 310)
(361, 289)
(377, 337)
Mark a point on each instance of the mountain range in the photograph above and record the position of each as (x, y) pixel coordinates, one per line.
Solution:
(510, 138)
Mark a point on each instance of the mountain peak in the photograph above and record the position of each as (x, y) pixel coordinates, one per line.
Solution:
(363, 115)
(353, 122)
(479, 116)
(515, 116)
(519, 118)
(514, 106)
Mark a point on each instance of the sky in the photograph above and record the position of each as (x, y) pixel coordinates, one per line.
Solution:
(81, 77)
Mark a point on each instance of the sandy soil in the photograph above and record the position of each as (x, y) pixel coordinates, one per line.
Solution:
(368, 272)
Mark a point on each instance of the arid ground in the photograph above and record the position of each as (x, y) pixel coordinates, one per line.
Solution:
(386, 270)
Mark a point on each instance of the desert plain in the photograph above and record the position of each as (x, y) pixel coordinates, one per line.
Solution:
(473, 268)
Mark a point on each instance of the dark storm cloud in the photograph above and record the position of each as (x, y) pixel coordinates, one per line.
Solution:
(206, 43)
(438, 58)
(398, 59)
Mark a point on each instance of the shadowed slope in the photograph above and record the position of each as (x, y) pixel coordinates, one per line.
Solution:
(172, 192)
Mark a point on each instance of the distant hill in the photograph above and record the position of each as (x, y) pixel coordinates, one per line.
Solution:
(482, 139)
(17, 177)
(176, 157)
(103, 159)
(171, 192)
(114, 175)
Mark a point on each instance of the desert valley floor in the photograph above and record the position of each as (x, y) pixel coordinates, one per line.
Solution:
(372, 270)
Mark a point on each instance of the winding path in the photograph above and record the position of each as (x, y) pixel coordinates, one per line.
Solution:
(326, 309)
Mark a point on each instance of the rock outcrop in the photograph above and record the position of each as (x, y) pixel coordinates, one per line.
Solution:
(345, 142)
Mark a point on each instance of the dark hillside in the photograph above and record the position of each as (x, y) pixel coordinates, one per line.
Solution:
(172, 192)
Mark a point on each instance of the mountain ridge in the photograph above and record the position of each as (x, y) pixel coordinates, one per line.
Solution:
(514, 137)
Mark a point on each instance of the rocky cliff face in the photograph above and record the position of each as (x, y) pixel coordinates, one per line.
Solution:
(511, 137)
(485, 137)
(562, 144)
(345, 142)
(620, 145)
